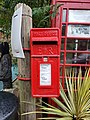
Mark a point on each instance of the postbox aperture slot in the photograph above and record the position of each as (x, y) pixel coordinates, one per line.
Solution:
(44, 42)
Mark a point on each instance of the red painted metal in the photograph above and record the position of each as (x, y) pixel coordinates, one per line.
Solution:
(70, 40)
(26, 49)
(23, 79)
(45, 61)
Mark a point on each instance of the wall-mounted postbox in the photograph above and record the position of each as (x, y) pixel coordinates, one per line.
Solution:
(45, 61)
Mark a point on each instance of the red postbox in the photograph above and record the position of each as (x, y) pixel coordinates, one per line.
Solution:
(45, 61)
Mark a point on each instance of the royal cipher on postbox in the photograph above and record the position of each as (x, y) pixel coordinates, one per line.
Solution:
(45, 61)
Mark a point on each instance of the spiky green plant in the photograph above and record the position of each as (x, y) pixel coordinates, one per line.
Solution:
(76, 101)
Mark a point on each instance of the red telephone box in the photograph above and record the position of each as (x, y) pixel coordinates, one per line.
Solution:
(73, 19)
(74, 22)
(45, 61)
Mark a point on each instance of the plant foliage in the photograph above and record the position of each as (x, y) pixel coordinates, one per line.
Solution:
(40, 13)
(43, 15)
(76, 101)
(7, 10)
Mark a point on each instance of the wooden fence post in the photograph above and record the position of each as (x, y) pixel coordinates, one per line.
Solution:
(24, 65)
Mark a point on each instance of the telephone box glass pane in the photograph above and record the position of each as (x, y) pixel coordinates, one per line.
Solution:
(78, 31)
(63, 29)
(45, 74)
(79, 16)
(64, 16)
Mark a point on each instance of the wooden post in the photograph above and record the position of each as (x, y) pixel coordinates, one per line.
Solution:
(24, 65)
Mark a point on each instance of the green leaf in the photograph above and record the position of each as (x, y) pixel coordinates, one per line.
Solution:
(76, 102)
